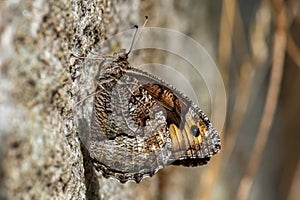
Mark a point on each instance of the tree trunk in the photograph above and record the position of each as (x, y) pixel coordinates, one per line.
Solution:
(41, 155)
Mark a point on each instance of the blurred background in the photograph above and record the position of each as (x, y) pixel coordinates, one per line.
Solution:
(255, 45)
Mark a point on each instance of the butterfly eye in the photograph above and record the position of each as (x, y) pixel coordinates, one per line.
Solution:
(195, 130)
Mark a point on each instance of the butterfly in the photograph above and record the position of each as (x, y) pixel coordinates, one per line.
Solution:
(140, 124)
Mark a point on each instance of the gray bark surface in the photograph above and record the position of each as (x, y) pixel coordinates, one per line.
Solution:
(41, 157)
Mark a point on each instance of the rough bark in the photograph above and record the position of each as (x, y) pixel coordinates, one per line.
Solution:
(41, 155)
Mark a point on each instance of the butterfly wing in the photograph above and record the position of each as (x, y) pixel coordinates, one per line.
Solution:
(129, 138)
(141, 124)
(194, 139)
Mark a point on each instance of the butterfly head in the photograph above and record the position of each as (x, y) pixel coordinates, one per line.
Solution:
(120, 55)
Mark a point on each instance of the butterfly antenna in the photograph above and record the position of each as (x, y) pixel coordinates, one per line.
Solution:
(135, 37)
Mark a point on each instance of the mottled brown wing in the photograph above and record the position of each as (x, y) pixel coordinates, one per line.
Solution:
(194, 139)
(128, 137)
(175, 103)
(140, 124)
